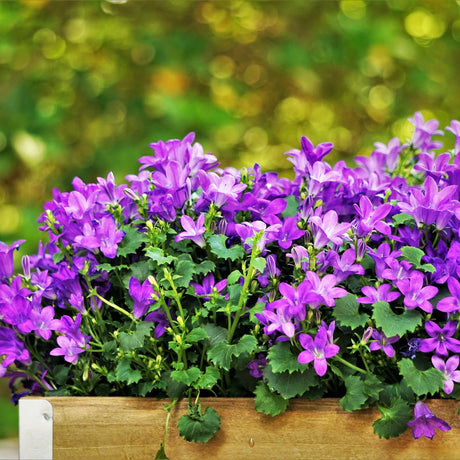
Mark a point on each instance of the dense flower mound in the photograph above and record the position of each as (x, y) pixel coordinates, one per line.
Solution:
(192, 279)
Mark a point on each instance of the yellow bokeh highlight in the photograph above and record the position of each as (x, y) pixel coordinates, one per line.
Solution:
(222, 67)
(381, 97)
(30, 149)
(402, 129)
(256, 138)
(353, 9)
(423, 25)
(10, 218)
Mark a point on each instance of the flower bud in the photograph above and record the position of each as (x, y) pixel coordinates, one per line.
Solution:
(366, 336)
(131, 194)
(26, 266)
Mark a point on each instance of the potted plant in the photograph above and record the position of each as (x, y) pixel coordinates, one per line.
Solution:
(193, 281)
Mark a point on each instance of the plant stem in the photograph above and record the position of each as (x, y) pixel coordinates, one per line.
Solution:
(351, 366)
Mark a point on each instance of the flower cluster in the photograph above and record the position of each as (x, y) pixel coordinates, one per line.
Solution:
(191, 280)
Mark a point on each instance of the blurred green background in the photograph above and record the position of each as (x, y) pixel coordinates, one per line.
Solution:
(85, 86)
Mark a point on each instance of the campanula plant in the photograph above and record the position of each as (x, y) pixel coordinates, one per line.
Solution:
(192, 280)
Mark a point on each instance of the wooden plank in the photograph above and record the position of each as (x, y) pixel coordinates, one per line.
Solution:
(132, 428)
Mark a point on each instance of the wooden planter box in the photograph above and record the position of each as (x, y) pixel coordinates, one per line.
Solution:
(132, 428)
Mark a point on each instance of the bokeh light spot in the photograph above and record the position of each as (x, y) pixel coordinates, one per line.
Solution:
(353, 9)
(10, 218)
(29, 148)
(423, 25)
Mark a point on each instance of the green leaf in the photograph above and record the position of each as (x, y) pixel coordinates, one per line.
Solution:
(403, 218)
(218, 247)
(346, 312)
(129, 341)
(157, 255)
(160, 455)
(215, 333)
(292, 206)
(282, 359)
(354, 398)
(186, 376)
(131, 242)
(290, 384)
(394, 419)
(195, 335)
(393, 324)
(234, 277)
(208, 379)
(259, 264)
(414, 256)
(58, 257)
(267, 402)
(199, 427)
(421, 382)
(222, 353)
(185, 269)
(205, 267)
(124, 373)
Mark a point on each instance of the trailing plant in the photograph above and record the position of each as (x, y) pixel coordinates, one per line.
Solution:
(192, 280)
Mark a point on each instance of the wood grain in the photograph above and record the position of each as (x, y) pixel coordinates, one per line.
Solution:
(132, 428)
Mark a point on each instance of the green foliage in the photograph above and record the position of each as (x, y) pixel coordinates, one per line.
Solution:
(394, 419)
(346, 311)
(414, 256)
(422, 382)
(198, 426)
(218, 247)
(393, 324)
(223, 353)
(268, 402)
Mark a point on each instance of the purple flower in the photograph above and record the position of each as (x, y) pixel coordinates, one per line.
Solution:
(68, 348)
(142, 294)
(345, 266)
(454, 128)
(421, 138)
(451, 304)
(414, 294)
(326, 228)
(280, 321)
(12, 348)
(449, 370)
(209, 286)
(289, 232)
(411, 348)
(256, 366)
(296, 299)
(383, 343)
(370, 218)
(193, 231)
(6, 258)
(425, 422)
(42, 322)
(317, 350)
(441, 339)
(325, 288)
(381, 294)
(161, 320)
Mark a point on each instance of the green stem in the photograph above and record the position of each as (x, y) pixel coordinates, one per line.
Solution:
(111, 304)
(242, 301)
(351, 366)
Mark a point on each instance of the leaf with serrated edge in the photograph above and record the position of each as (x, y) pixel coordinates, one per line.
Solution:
(394, 419)
(393, 324)
(421, 382)
(269, 403)
(201, 430)
(346, 312)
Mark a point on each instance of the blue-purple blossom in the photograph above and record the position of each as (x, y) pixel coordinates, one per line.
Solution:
(209, 286)
(423, 132)
(425, 422)
(381, 294)
(384, 343)
(451, 304)
(143, 296)
(326, 228)
(441, 339)
(415, 295)
(68, 348)
(317, 350)
(449, 371)
(256, 366)
(370, 218)
(6, 258)
(193, 230)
